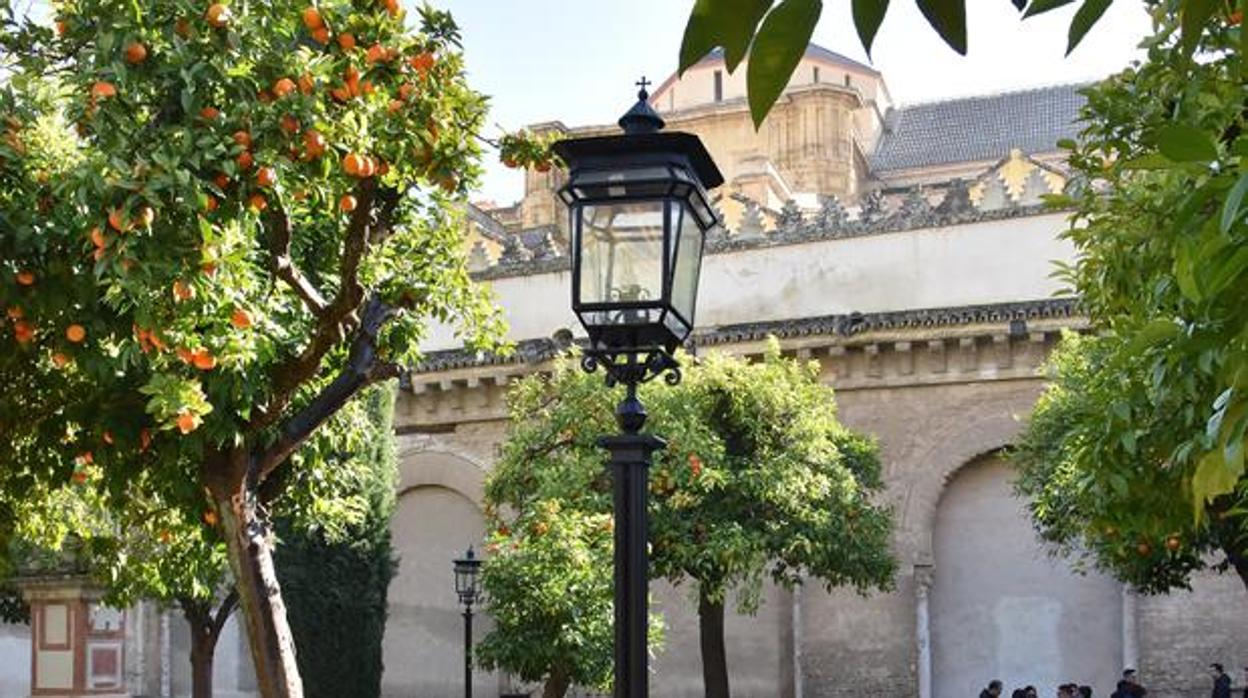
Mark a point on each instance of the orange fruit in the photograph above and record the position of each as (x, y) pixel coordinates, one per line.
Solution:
(393, 7)
(353, 164)
(14, 312)
(61, 27)
(367, 87)
(290, 124)
(187, 423)
(376, 54)
(23, 331)
(394, 106)
(182, 28)
(422, 63)
(314, 143)
(107, 436)
(59, 360)
(542, 166)
(218, 15)
(79, 477)
(306, 84)
(1173, 543)
(405, 90)
(321, 36)
(222, 180)
(97, 237)
(209, 113)
(185, 355)
(182, 291)
(346, 41)
(283, 87)
(136, 53)
(242, 138)
(312, 18)
(117, 221)
(266, 176)
(145, 439)
(244, 160)
(204, 360)
(240, 319)
(1144, 549)
(1235, 18)
(341, 94)
(210, 204)
(210, 517)
(25, 278)
(166, 537)
(257, 202)
(75, 333)
(348, 203)
(103, 90)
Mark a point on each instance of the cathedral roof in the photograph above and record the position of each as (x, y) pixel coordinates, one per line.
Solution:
(812, 51)
(984, 127)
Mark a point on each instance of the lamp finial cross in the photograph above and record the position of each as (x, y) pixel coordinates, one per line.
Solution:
(643, 83)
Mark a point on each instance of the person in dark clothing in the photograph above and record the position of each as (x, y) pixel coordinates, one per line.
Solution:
(1020, 693)
(1134, 689)
(1221, 682)
(993, 690)
(1085, 692)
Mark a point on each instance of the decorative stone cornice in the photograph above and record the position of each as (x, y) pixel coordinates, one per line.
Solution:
(533, 351)
(879, 212)
(946, 346)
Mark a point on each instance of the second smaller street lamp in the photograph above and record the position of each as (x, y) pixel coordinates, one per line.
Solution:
(466, 584)
(639, 217)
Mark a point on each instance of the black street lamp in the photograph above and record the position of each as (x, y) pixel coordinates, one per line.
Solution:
(639, 217)
(467, 587)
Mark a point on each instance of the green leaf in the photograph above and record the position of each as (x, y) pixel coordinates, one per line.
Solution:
(1231, 207)
(948, 18)
(1148, 161)
(1214, 477)
(1153, 334)
(1193, 16)
(778, 48)
(868, 14)
(1186, 143)
(1089, 12)
(1038, 7)
(727, 23)
(1185, 273)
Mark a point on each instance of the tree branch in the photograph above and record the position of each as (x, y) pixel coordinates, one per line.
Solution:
(228, 604)
(368, 222)
(363, 368)
(284, 268)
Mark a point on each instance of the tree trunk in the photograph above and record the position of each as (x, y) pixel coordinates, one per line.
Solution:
(250, 552)
(711, 636)
(203, 649)
(557, 684)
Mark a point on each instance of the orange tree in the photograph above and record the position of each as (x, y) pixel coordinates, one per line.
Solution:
(246, 218)
(759, 479)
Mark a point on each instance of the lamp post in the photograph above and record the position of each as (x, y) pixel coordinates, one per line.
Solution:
(639, 216)
(467, 587)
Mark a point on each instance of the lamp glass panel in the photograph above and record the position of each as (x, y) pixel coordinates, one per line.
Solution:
(622, 252)
(688, 264)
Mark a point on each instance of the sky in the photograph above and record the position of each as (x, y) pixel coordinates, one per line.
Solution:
(575, 61)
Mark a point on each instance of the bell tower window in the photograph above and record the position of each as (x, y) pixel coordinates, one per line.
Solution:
(719, 86)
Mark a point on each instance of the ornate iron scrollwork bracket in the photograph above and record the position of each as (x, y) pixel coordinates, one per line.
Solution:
(632, 367)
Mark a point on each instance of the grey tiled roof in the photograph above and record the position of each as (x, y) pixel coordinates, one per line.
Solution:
(978, 128)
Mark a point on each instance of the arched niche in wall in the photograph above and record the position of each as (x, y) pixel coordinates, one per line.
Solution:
(437, 517)
(1002, 607)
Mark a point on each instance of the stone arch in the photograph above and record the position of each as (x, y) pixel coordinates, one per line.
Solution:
(987, 432)
(1001, 606)
(438, 514)
(426, 468)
